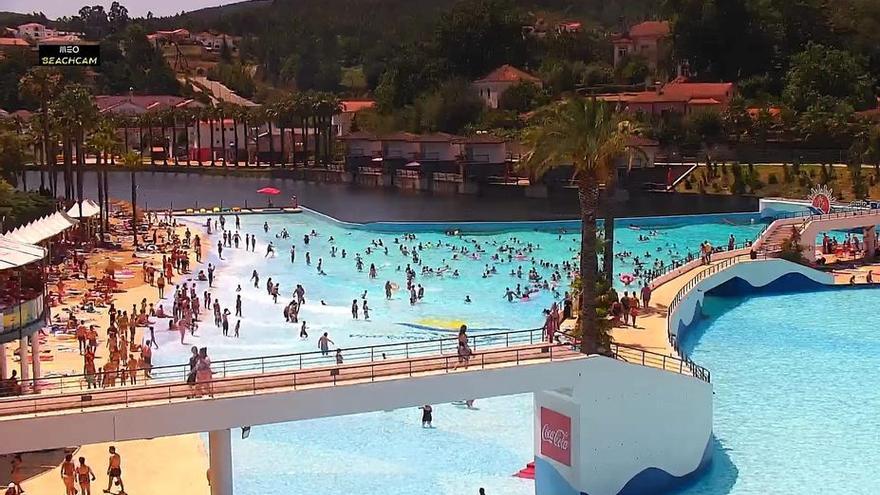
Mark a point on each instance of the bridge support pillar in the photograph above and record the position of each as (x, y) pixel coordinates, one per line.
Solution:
(35, 352)
(3, 371)
(220, 457)
(621, 428)
(870, 241)
(23, 354)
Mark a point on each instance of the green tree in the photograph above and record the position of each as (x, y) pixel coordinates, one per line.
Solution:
(521, 97)
(42, 85)
(11, 155)
(494, 26)
(132, 161)
(821, 72)
(451, 107)
(585, 134)
(633, 69)
(77, 114)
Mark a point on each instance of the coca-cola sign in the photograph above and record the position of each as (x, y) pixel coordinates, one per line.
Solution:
(556, 436)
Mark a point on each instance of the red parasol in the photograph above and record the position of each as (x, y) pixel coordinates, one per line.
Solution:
(269, 190)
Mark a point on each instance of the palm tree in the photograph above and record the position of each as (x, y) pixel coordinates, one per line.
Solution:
(198, 115)
(41, 83)
(104, 141)
(587, 135)
(210, 113)
(76, 113)
(221, 113)
(271, 114)
(131, 161)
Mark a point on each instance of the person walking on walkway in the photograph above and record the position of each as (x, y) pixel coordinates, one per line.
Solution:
(114, 471)
(85, 476)
(68, 475)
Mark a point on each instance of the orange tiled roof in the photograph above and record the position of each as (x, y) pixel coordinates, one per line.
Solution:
(357, 105)
(699, 90)
(13, 42)
(508, 73)
(647, 29)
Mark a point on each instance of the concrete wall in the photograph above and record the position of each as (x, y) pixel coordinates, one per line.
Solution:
(756, 274)
(632, 430)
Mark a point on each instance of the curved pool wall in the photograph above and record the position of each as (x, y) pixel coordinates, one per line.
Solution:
(542, 225)
(743, 278)
(633, 430)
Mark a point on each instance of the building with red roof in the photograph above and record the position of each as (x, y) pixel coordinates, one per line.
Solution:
(650, 40)
(343, 120)
(13, 44)
(496, 82)
(682, 97)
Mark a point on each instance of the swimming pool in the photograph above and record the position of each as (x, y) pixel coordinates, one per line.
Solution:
(387, 452)
(795, 403)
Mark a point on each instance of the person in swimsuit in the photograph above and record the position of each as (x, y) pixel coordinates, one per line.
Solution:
(426, 416)
(68, 475)
(324, 344)
(84, 476)
(114, 471)
(15, 475)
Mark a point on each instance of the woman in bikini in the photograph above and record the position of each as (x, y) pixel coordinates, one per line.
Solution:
(68, 475)
(85, 476)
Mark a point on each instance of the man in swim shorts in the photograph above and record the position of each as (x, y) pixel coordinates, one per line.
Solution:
(114, 471)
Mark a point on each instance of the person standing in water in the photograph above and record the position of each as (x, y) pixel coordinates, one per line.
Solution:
(324, 344)
(354, 309)
(427, 416)
(387, 289)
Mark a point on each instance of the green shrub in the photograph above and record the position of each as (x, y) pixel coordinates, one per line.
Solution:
(771, 179)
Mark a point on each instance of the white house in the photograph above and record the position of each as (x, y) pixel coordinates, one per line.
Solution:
(496, 82)
(34, 31)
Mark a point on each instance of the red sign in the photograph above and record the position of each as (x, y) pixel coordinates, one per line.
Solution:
(822, 203)
(556, 436)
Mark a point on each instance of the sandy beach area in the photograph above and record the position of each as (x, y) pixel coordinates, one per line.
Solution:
(176, 464)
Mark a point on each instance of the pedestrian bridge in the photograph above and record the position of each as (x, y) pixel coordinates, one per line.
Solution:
(315, 377)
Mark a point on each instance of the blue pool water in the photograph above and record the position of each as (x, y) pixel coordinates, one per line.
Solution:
(388, 452)
(796, 403)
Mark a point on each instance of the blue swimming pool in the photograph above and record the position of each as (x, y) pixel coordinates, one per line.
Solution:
(795, 399)
(388, 452)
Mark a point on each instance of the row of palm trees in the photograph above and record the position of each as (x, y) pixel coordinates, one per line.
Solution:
(308, 115)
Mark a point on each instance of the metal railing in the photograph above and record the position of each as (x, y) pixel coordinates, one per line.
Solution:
(684, 366)
(637, 355)
(323, 376)
(303, 360)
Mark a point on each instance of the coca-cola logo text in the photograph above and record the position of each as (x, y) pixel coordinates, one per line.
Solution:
(556, 436)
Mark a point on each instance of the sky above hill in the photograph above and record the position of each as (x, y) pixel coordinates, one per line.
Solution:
(136, 8)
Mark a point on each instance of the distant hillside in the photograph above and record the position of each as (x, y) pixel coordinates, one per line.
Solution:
(609, 13)
(17, 18)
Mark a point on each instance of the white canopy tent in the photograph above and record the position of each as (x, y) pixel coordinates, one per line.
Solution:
(15, 254)
(89, 209)
(42, 229)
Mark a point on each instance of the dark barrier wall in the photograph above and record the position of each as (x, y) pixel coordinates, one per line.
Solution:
(360, 204)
